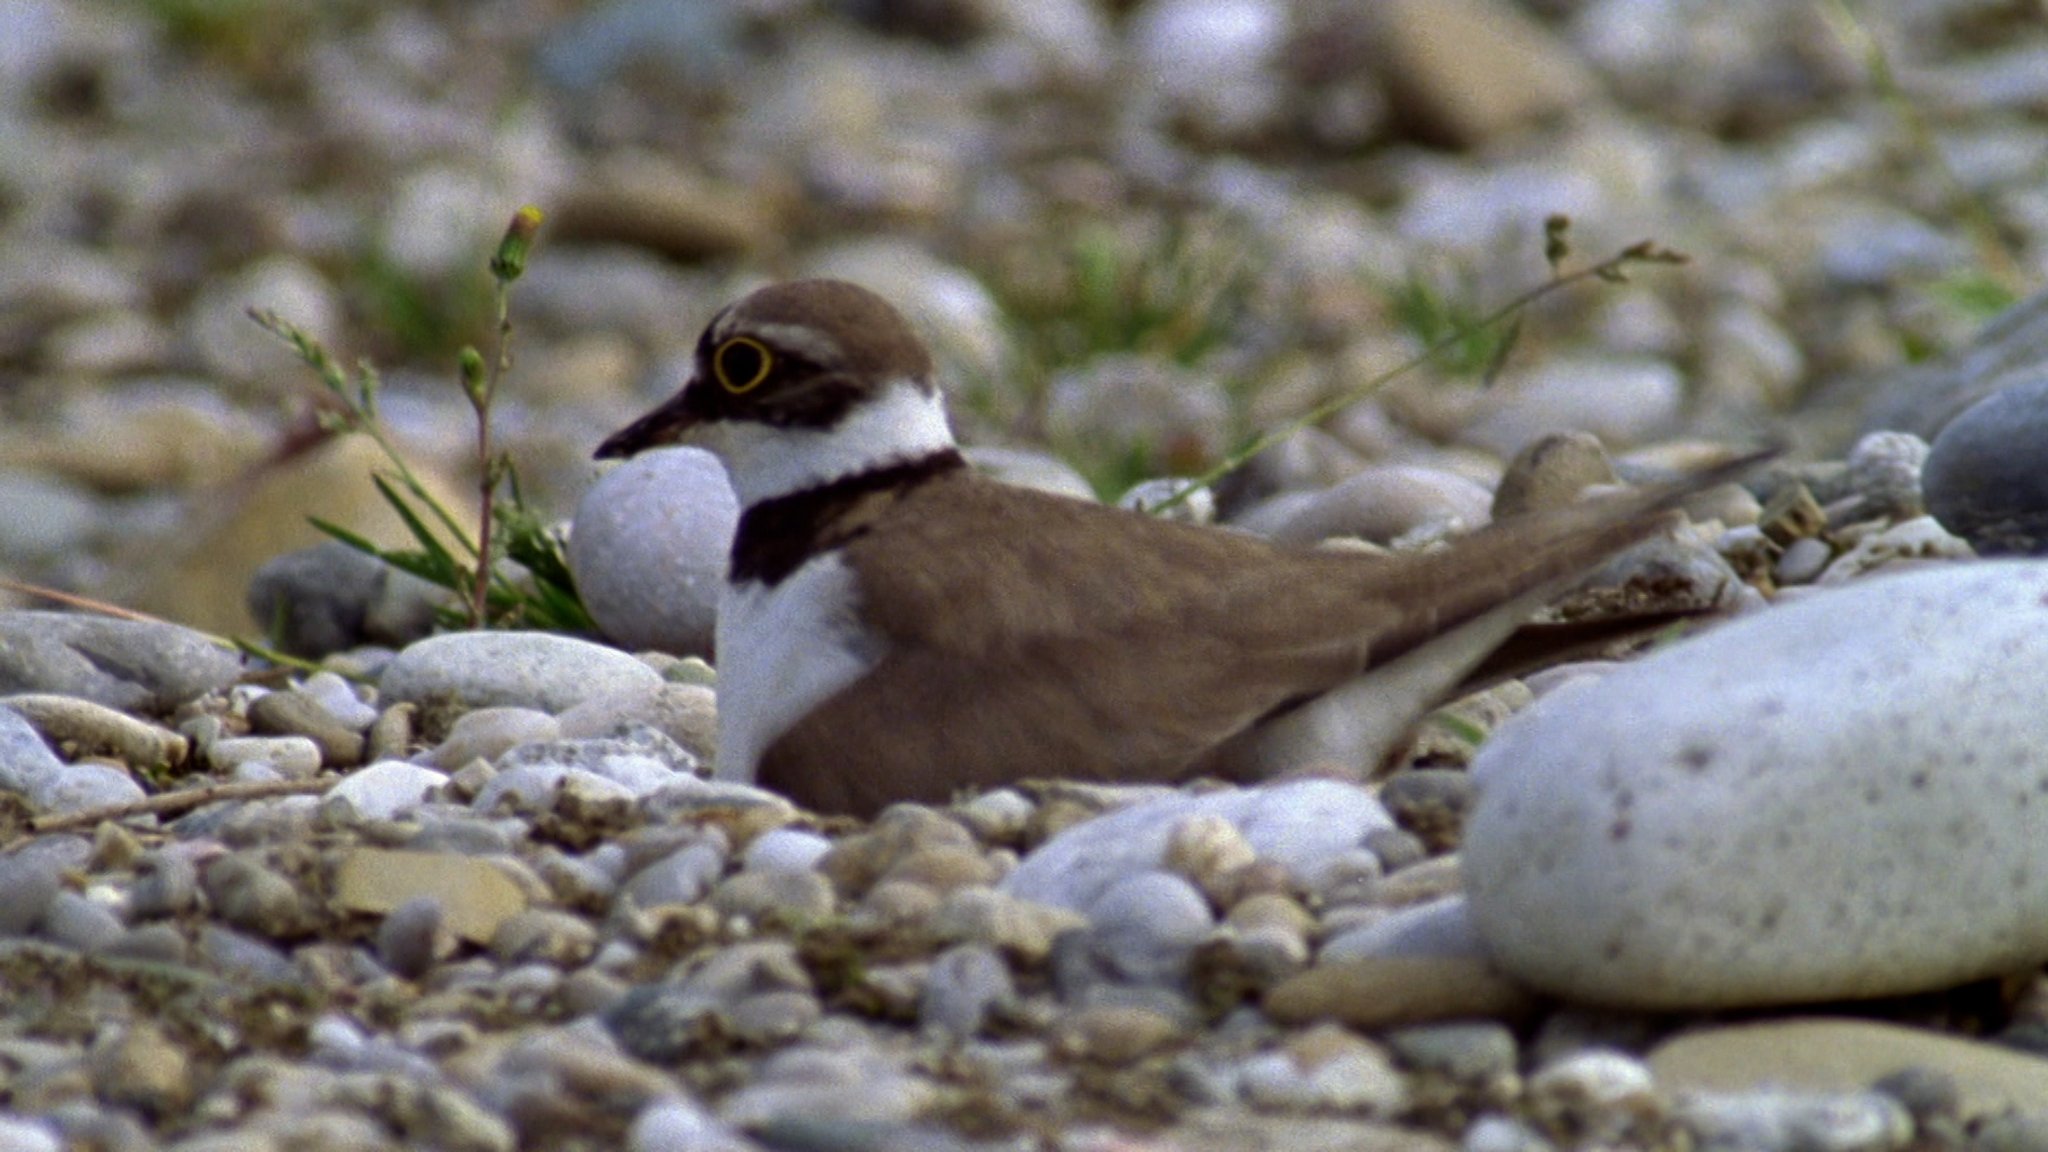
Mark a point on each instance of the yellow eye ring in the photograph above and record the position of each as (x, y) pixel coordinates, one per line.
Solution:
(741, 363)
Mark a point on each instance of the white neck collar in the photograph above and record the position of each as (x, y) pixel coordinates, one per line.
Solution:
(902, 422)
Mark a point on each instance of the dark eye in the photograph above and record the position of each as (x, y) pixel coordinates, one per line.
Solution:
(740, 364)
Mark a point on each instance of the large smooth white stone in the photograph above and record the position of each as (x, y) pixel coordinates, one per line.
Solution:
(1843, 797)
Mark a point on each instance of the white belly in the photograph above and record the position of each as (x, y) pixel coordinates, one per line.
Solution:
(781, 652)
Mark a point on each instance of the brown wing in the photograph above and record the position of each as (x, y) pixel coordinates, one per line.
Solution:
(1123, 647)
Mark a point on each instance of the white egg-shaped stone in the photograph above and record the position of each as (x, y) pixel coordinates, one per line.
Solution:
(1843, 797)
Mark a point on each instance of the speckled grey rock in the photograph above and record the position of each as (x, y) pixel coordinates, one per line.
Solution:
(1986, 478)
(1299, 824)
(527, 669)
(1695, 829)
(332, 597)
(132, 665)
(649, 550)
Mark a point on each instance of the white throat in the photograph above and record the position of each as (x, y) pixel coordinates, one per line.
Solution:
(901, 422)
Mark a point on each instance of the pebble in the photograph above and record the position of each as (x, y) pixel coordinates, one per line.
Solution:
(26, 1134)
(1778, 1121)
(386, 790)
(411, 939)
(475, 895)
(1982, 477)
(82, 728)
(1114, 1034)
(854, 1087)
(297, 714)
(1551, 472)
(129, 665)
(649, 550)
(1019, 928)
(1299, 824)
(675, 1124)
(1326, 1068)
(292, 757)
(536, 670)
(685, 713)
(1918, 539)
(681, 878)
(967, 984)
(1391, 991)
(785, 850)
(1144, 928)
(1819, 1056)
(252, 896)
(1466, 1052)
(77, 922)
(31, 883)
(52, 787)
(330, 597)
(1803, 561)
(488, 733)
(1626, 849)
(166, 884)
(763, 897)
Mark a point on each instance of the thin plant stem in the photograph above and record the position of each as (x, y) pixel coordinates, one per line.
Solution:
(1614, 269)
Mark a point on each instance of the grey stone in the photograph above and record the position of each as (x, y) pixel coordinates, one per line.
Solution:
(331, 597)
(1986, 476)
(1299, 824)
(30, 881)
(386, 790)
(967, 982)
(297, 714)
(130, 665)
(1694, 829)
(649, 550)
(526, 669)
(77, 922)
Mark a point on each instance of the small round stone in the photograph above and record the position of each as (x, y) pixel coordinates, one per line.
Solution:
(386, 790)
(1325, 1068)
(1144, 928)
(166, 884)
(77, 922)
(785, 850)
(795, 898)
(1983, 476)
(411, 938)
(31, 882)
(249, 895)
(298, 714)
(966, 984)
(680, 878)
